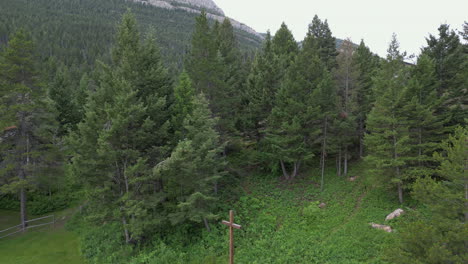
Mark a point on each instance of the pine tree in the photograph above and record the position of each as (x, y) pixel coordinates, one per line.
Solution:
(62, 92)
(451, 71)
(324, 94)
(283, 42)
(140, 64)
(285, 47)
(26, 118)
(440, 237)
(362, 95)
(194, 167)
(183, 105)
(202, 61)
(263, 83)
(346, 75)
(295, 118)
(425, 126)
(388, 137)
(227, 99)
(81, 95)
(325, 98)
(319, 37)
(115, 145)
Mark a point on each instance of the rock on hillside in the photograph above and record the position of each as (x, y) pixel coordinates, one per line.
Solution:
(195, 6)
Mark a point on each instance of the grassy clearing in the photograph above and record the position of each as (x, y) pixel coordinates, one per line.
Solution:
(281, 223)
(282, 219)
(42, 246)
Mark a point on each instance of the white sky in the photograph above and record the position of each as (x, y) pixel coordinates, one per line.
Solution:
(372, 20)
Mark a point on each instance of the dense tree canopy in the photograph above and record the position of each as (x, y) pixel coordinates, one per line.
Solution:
(157, 132)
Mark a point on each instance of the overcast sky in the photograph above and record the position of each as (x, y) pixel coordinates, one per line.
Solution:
(371, 20)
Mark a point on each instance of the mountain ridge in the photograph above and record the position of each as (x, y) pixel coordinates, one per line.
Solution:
(196, 6)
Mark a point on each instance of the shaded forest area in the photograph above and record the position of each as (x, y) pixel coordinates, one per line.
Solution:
(155, 156)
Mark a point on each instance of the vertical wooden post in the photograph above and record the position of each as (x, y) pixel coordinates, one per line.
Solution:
(231, 225)
(231, 237)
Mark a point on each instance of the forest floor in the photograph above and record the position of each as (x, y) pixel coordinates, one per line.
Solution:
(281, 223)
(45, 245)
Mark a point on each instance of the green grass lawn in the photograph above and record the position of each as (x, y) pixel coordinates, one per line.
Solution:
(43, 246)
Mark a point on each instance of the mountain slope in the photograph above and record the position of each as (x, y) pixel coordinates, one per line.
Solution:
(196, 6)
(80, 31)
(199, 5)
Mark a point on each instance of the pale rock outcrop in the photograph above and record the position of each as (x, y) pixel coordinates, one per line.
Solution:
(195, 6)
(381, 227)
(395, 214)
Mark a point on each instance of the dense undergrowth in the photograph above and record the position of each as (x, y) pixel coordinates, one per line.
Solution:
(281, 223)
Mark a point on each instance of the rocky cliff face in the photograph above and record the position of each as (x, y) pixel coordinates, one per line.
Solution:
(195, 6)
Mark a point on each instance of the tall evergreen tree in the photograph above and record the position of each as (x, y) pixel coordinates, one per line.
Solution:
(62, 92)
(425, 126)
(263, 83)
(317, 51)
(388, 138)
(319, 37)
(202, 62)
(139, 63)
(293, 125)
(345, 127)
(194, 167)
(183, 105)
(366, 65)
(285, 47)
(440, 237)
(26, 119)
(227, 99)
(325, 98)
(115, 145)
(451, 71)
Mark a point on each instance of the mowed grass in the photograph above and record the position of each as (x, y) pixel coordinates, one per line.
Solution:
(46, 245)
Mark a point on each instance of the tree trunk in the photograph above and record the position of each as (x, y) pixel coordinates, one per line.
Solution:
(397, 169)
(361, 137)
(339, 162)
(345, 168)
(324, 147)
(127, 234)
(419, 148)
(400, 193)
(215, 187)
(285, 173)
(24, 216)
(297, 165)
(207, 225)
(337, 166)
(22, 176)
(466, 200)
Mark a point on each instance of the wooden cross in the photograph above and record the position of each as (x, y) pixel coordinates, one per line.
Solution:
(231, 235)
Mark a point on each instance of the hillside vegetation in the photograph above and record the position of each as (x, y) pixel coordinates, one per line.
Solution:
(79, 32)
(311, 145)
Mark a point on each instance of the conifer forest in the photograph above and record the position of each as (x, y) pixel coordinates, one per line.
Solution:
(139, 128)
